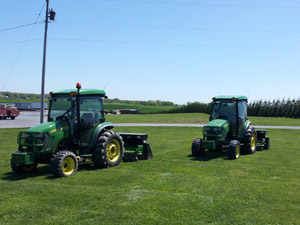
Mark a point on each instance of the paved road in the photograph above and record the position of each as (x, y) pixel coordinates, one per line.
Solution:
(26, 119)
(193, 125)
(30, 119)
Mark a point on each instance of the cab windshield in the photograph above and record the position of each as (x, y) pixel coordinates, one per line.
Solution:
(61, 105)
(91, 108)
(224, 110)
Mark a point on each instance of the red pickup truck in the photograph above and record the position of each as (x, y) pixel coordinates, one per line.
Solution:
(3, 113)
(8, 112)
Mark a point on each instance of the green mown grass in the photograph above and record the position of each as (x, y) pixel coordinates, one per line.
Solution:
(195, 118)
(172, 188)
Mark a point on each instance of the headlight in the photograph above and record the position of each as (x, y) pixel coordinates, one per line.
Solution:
(217, 128)
(39, 135)
(41, 138)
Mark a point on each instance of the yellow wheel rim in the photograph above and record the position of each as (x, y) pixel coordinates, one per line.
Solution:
(253, 142)
(237, 151)
(68, 165)
(113, 150)
(28, 168)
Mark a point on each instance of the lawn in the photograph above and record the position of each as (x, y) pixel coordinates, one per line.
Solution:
(195, 118)
(172, 188)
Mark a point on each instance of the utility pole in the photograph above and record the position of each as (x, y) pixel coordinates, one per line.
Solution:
(52, 17)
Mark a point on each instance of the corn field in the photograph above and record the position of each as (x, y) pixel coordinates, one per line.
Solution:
(271, 108)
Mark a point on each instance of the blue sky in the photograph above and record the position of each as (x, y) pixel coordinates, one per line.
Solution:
(180, 51)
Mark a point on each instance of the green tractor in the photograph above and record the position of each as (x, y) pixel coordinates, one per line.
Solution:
(229, 129)
(76, 130)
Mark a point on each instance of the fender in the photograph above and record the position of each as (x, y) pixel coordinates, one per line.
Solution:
(98, 130)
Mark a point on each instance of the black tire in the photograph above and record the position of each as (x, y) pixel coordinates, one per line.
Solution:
(64, 164)
(267, 144)
(250, 141)
(197, 149)
(109, 150)
(12, 117)
(23, 168)
(234, 150)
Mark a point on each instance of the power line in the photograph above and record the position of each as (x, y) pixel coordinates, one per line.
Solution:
(183, 28)
(175, 44)
(22, 48)
(19, 42)
(20, 26)
(162, 43)
(205, 4)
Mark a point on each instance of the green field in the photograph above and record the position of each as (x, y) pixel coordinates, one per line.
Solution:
(195, 118)
(107, 106)
(144, 108)
(172, 188)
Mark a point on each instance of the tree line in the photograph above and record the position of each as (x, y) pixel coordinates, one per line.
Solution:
(26, 96)
(272, 108)
(136, 102)
(276, 108)
(193, 107)
(29, 96)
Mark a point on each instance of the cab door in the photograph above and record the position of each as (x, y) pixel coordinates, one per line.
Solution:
(90, 117)
(242, 116)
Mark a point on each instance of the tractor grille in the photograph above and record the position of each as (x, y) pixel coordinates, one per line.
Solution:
(19, 158)
(28, 140)
(213, 138)
(211, 132)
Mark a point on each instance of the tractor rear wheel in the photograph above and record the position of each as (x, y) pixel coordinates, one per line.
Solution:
(197, 149)
(250, 141)
(23, 168)
(64, 164)
(234, 150)
(109, 150)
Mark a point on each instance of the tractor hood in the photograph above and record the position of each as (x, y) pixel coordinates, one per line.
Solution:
(50, 127)
(217, 123)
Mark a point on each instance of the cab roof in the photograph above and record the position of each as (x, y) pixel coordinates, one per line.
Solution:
(230, 97)
(85, 91)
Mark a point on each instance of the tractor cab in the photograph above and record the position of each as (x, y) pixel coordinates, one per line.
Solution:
(233, 109)
(83, 112)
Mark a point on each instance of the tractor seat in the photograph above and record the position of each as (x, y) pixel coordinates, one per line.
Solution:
(87, 119)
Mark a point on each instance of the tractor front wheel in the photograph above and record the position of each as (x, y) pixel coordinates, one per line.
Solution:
(197, 149)
(64, 164)
(234, 150)
(23, 168)
(250, 141)
(109, 150)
